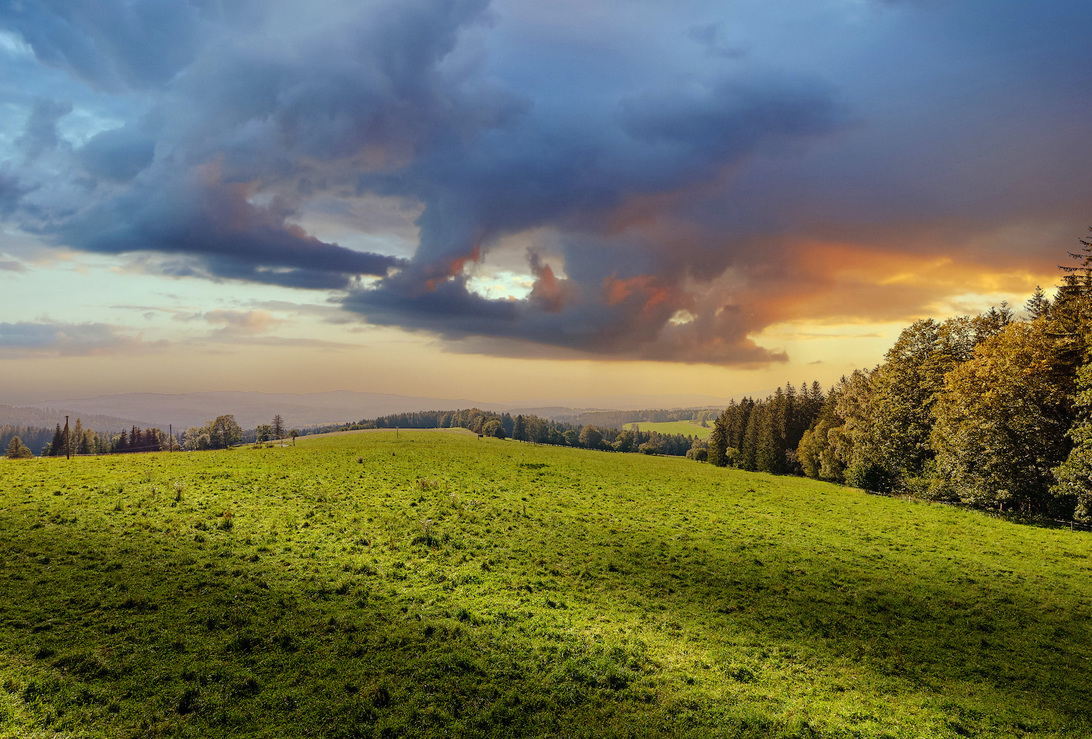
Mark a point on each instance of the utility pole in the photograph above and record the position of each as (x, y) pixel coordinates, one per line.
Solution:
(67, 446)
(170, 432)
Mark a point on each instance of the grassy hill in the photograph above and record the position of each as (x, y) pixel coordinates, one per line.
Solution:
(675, 427)
(435, 584)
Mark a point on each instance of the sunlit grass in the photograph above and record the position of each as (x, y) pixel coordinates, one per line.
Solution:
(435, 584)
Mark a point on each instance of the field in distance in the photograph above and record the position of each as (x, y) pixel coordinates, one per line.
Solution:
(443, 585)
(688, 428)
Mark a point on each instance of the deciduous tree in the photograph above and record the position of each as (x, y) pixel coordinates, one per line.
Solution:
(224, 432)
(493, 427)
(18, 450)
(1001, 422)
(591, 437)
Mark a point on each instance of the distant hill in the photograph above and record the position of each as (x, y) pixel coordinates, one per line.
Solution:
(571, 406)
(253, 408)
(619, 419)
(182, 410)
(48, 417)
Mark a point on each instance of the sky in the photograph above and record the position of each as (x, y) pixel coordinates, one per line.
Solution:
(509, 199)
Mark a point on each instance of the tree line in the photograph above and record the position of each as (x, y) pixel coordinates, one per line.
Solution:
(32, 437)
(993, 411)
(79, 440)
(619, 419)
(539, 430)
(219, 433)
(763, 435)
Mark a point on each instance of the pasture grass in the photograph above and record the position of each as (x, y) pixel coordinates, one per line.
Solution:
(438, 585)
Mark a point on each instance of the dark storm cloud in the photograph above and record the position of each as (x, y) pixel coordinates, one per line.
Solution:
(238, 121)
(371, 91)
(523, 177)
(711, 37)
(10, 192)
(112, 44)
(725, 121)
(40, 134)
(118, 154)
(200, 215)
(673, 174)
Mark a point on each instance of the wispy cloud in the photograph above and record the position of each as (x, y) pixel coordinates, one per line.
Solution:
(38, 339)
(11, 265)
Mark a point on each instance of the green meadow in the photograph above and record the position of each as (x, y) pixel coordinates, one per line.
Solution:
(433, 584)
(687, 428)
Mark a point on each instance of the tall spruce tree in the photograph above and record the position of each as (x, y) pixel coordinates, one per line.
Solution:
(718, 440)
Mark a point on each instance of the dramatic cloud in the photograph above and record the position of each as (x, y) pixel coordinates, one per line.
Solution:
(686, 175)
(117, 154)
(114, 44)
(198, 213)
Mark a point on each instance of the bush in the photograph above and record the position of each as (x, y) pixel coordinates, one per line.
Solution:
(869, 477)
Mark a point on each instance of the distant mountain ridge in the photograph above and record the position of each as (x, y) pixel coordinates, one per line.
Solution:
(250, 408)
(48, 417)
(253, 408)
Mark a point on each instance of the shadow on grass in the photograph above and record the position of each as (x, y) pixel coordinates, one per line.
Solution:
(155, 635)
(975, 642)
(199, 633)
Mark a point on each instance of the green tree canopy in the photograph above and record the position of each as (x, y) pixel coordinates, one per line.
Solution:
(493, 427)
(591, 437)
(18, 450)
(224, 432)
(1001, 422)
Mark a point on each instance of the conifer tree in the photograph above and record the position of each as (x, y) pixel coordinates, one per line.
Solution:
(56, 447)
(718, 440)
(748, 451)
(1038, 305)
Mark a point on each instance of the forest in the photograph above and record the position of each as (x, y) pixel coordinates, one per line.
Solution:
(620, 419)
(992, 411)
(219, 433)
(538, 430)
